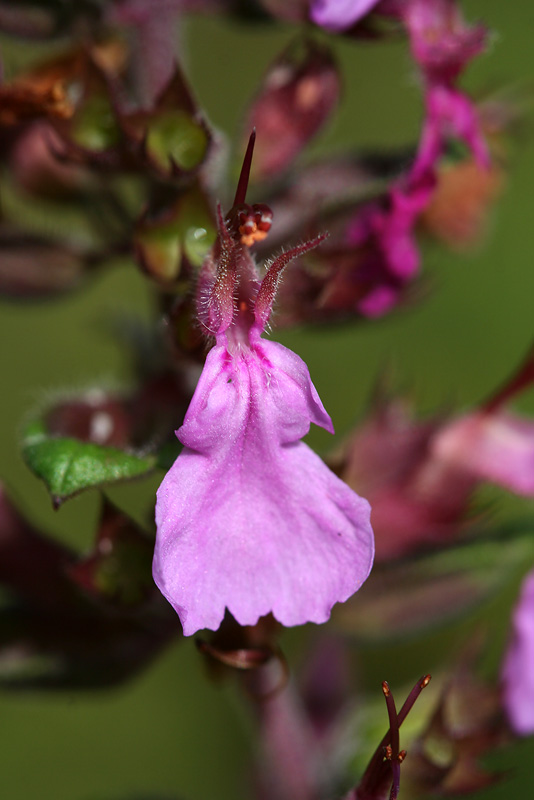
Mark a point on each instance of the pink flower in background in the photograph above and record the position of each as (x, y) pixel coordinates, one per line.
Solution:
(248, 517)
(388, 234)
(442, 45)
(420, 475)
(518, 666)
(417, 500)
(338, 15)
(492, 444)
(495, 447)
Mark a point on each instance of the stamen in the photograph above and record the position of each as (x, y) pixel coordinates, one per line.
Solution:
(249, 224)
(255, 223)
(393, 720)
(387, 753)
(408, 704)
(392, 749)
(242, 184)
(263, 216)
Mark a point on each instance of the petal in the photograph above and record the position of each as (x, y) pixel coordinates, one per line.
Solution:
(494, 447)
(379, 301)
(251, 519)
(454, 114)
(338, 15)
(220, 404)
(517, 672)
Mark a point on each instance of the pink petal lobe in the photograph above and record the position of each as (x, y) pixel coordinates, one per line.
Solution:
(248, 517)
(338, 15)
(496, 447)
(517, 673)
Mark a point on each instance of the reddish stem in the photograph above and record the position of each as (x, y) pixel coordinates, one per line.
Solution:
(519, 381)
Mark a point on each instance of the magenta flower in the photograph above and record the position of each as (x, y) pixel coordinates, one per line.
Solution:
(517, 672)
(387, 233)
(248, 518)
(442, 45)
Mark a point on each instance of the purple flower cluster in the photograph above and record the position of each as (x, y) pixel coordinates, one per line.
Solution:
(442, 45)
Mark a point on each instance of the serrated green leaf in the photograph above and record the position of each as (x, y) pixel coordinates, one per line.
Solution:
(68, 466)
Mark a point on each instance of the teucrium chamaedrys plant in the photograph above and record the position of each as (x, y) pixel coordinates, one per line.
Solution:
(107, 157)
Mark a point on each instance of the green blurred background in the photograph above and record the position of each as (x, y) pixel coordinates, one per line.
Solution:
(172, 731)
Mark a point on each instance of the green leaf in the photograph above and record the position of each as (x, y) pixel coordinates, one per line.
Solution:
(161, 250)
(68, 466)
(94, 125)
(163, 236)
(176, 136)
(168, 453)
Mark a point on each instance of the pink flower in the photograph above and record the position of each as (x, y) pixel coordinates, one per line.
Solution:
(496, 447)
(492, 444)
(420, 475)
(249, 519)
(387, 233)
(441, 45)
(517, 671)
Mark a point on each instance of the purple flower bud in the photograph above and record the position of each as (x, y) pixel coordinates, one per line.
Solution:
(248, 517)
(298, 95)
(37, 169)
(442, 44)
